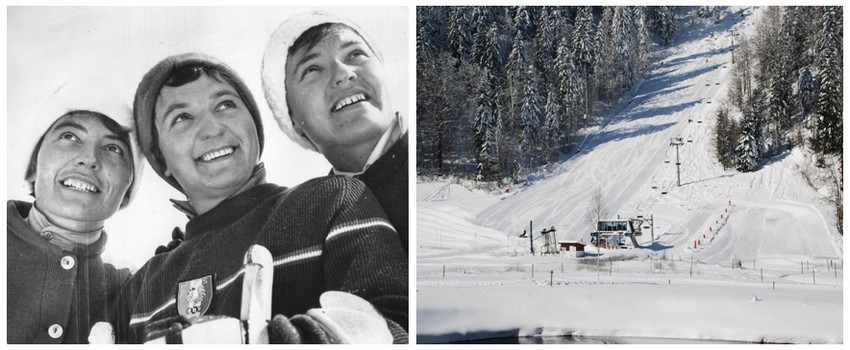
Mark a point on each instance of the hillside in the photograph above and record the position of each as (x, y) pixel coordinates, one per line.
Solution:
(771, 221)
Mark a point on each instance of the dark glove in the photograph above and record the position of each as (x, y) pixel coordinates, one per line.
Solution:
(176, 239)
(300, 329)
(169, 328)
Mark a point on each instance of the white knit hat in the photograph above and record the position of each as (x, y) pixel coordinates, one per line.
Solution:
(274, 65)
(100, 93)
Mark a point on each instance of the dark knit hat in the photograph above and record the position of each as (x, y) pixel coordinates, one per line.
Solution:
(148, 92)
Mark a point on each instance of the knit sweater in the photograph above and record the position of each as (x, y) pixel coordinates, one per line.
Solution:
(326, 234)
(53, 296)
(388, 178)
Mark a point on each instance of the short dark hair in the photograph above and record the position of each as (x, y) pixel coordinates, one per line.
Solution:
(317, 33)
(182, 76)
(110, 124)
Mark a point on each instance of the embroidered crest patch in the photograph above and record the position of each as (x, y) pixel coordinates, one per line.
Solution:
(194, 297)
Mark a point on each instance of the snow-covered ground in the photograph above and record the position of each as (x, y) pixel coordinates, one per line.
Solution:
(477, 279)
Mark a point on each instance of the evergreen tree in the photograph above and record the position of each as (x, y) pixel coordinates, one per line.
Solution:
(724, 138)
(552, 130)
(806, 91)
(828, 107)
(643, 39)
(530, 114)
(492, 58)
(566, 87)
(459, 33)
(624, 40)
(747, 151)
(545, 45)
(485, 129)
(481, 42)
(516, 68)
(584, 53)
(666, 24)
(604, 64)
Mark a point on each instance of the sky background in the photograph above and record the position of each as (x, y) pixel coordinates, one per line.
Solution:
(50, 46)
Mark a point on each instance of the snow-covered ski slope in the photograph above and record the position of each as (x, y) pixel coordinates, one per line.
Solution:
(626, 159)
(476, 278)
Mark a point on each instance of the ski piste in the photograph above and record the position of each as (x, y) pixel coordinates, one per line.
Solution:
(769, 268)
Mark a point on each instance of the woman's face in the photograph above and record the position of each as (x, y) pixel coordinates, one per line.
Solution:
(207, 137)
(336, 92)
(83, 171)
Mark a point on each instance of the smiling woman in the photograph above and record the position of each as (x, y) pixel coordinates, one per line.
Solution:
(81, 171)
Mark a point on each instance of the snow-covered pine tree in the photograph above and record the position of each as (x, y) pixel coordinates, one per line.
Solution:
(624, 42)
(460, 30)
(828, 107)
(747, 152)
(552, 134)
(724, 137)
(485, 133)
(566, 89)
(604, 64)
(584, 52)
(492, 58)
(665, 23)
(544, 46)
(516, 68)
(430, 29)
(530, 115)
(796, 37)
(480, 42)
(806, 92)
(643, 39)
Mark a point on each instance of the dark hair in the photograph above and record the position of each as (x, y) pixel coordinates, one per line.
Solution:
(317, 33)
(110, 124)
(182, 76)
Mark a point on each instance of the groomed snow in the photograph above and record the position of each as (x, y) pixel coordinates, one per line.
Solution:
(474, 275)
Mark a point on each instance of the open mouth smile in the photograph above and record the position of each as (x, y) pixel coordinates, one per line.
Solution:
(213, 155)
(348, 101)
(80, 185)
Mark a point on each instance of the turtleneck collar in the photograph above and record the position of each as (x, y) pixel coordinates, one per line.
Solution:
(59, 236)
(387, 140)
(258, 177)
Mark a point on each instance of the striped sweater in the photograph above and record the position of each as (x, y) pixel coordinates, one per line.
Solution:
(326, 234)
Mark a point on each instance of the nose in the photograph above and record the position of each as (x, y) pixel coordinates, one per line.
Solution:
(343, 73)
(89, 157)
(210, 127)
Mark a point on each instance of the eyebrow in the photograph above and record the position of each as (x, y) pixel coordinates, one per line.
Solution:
(70, 124)
(221, 93)
(313, 55)
(171, 108)
(75, 125)
(305, 59)
(214, 95)
(119, 139)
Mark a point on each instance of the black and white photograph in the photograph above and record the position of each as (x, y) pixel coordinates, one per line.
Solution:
(207, 175)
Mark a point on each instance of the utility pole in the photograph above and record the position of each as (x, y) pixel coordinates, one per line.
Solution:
(677, 141)
(652, 226)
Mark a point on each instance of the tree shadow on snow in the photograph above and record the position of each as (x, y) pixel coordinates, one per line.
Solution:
(708, 179)
(619, 135)
(776, 158)
(665, 110)
(674, 79)
(640, 99)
